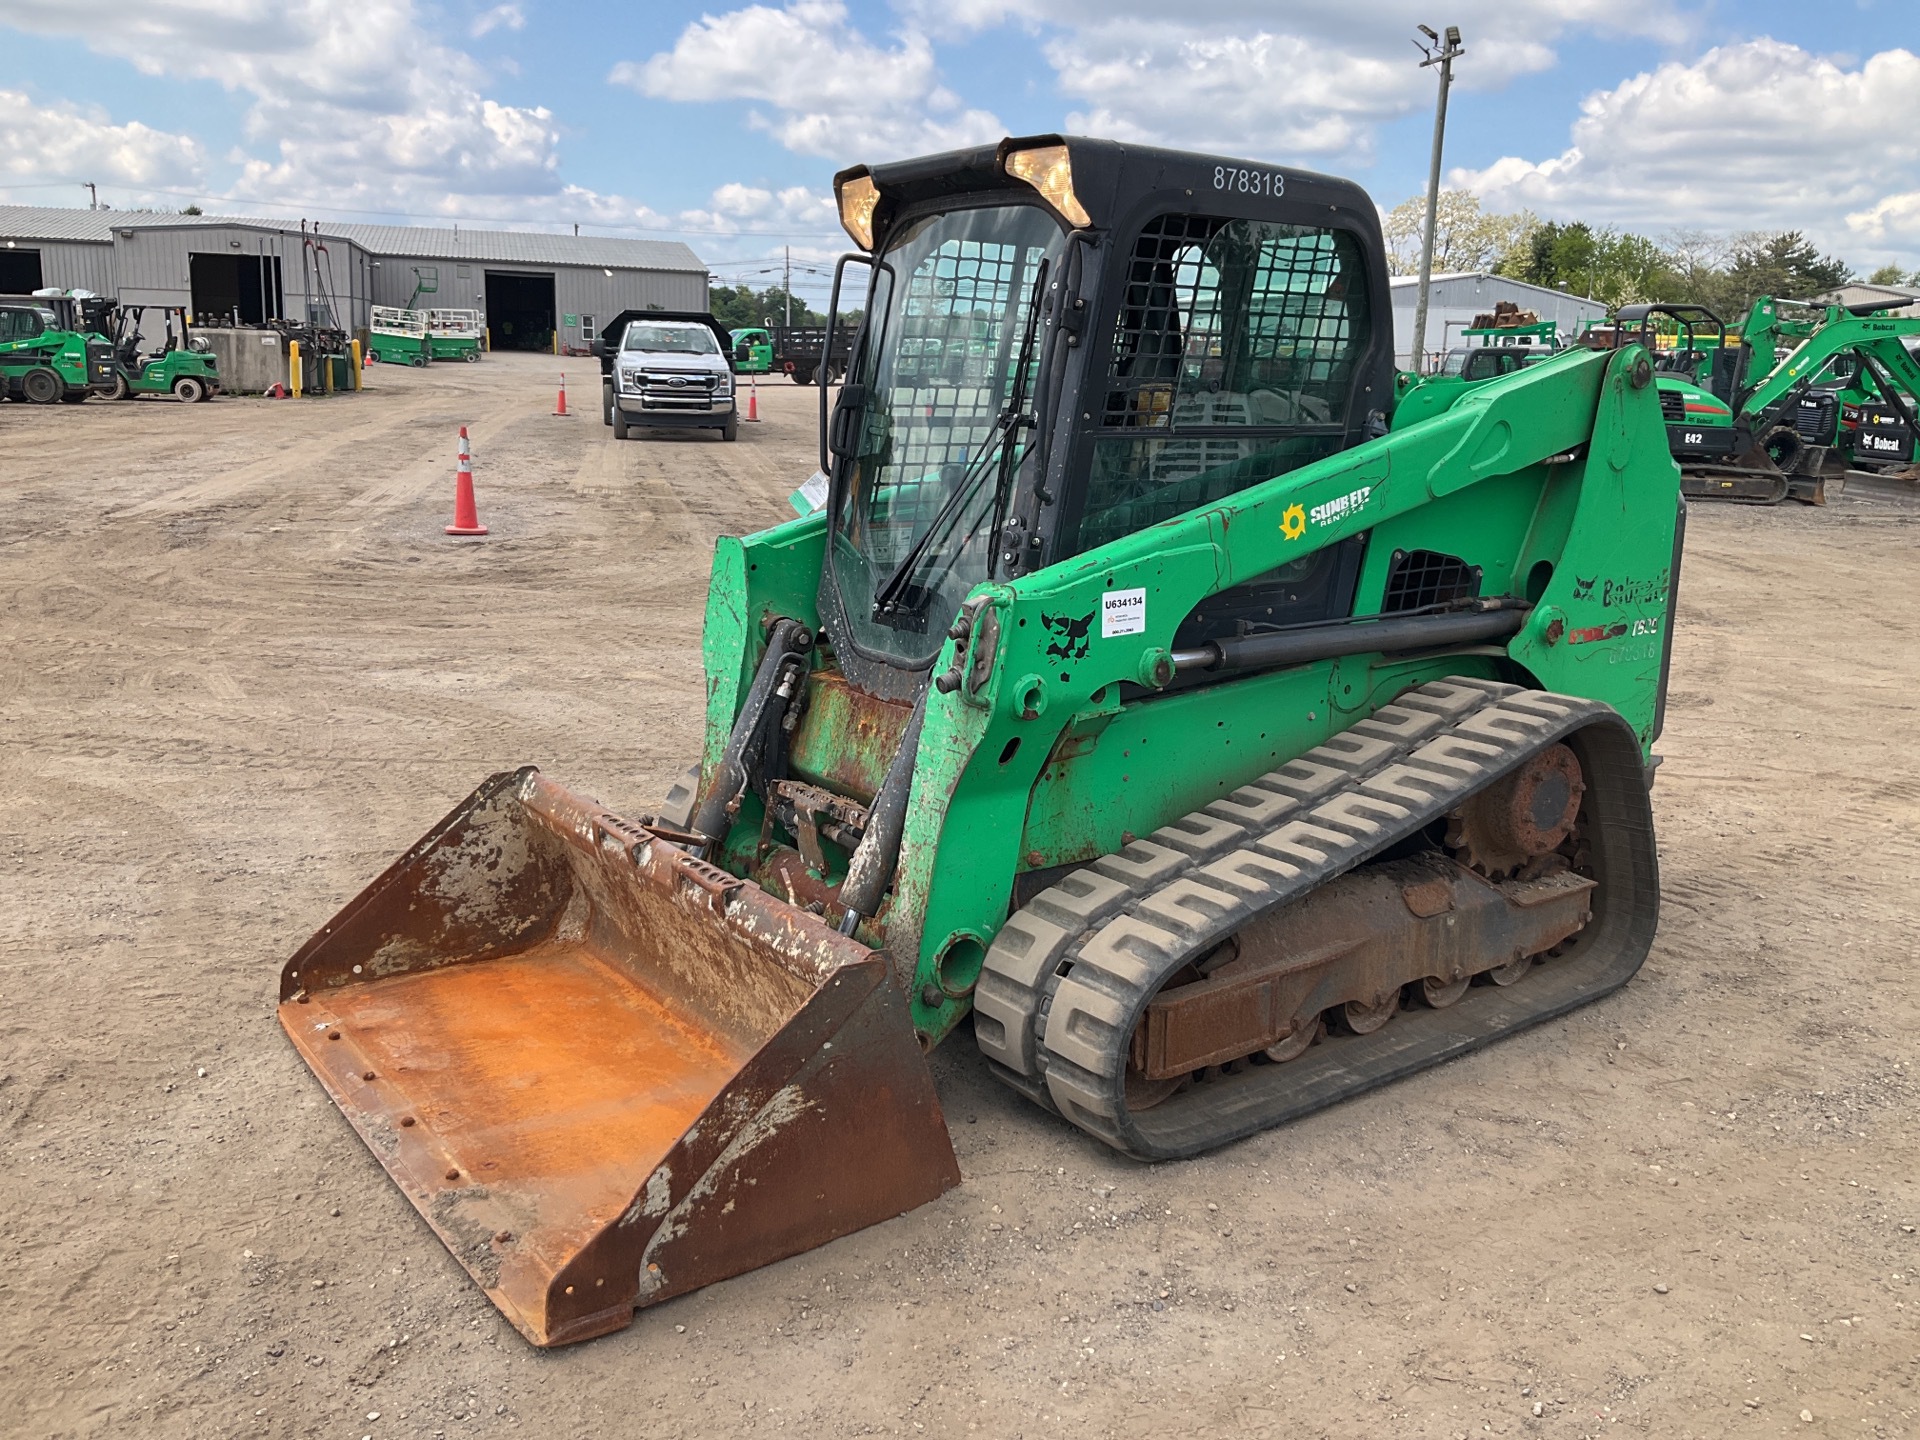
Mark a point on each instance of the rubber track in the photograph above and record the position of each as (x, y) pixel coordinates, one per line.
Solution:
(1696, 483)
(1070, 974)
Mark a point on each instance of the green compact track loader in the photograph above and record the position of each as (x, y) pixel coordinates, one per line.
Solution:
(50, 351)
(1148, 703)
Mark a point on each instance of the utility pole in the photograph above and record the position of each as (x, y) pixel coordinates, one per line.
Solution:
(93, 195)
(1442, 53)
(786, 282)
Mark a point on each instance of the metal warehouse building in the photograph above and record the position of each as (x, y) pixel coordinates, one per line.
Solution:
(1456, 298)
(532, 289)
(1902, 301)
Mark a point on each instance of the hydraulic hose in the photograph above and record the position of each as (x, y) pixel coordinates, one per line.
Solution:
(745, 745)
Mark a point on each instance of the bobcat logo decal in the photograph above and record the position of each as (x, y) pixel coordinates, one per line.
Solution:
(1583, 589)
(1069, 635)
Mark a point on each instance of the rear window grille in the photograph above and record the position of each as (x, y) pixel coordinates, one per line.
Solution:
(1418, 579)
(1236, 323)
(1673, 407)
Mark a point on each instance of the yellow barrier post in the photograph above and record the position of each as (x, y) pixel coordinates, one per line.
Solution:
(354, 346)
(293, 366)
(556, 342)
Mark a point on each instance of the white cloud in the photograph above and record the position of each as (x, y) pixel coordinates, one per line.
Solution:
(825, 88)
(1895, 217)
(354, 111)
(509, 17)
(60, 140)
(351, 107)
(1302, 81)
(1760, 135)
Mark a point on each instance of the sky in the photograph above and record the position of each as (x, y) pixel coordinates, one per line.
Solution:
(722, 124)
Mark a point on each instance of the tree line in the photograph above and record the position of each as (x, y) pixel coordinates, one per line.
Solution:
(1726, 273)
(740, 307)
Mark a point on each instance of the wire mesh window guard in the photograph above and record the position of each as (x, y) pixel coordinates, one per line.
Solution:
(944, 384)
(1232, 361)
(950, 305)
(1419, 579)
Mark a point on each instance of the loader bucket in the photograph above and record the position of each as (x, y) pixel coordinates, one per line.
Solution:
(605, 1072)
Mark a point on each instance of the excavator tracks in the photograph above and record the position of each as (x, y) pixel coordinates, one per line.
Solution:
(1068, 982)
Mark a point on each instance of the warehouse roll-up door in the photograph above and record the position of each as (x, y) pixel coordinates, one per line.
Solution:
(520, 314)
(19, 271)
(230, 287)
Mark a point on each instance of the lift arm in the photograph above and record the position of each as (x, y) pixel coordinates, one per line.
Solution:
(1841, 332)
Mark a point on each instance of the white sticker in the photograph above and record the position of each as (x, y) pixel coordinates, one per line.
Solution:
(813, 494)
(1123, 612)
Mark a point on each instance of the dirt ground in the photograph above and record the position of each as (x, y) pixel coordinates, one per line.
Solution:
(241, 668)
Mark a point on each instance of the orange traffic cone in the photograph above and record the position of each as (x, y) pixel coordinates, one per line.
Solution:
(560, 405)
(753, 399)
(466, 516)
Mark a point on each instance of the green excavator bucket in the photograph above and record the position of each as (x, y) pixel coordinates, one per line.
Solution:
(604, 1071)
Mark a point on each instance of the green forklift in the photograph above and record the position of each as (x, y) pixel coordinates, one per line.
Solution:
(49, 351)
(183, 364)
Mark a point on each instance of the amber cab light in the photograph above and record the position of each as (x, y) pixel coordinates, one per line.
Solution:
(1049, 169)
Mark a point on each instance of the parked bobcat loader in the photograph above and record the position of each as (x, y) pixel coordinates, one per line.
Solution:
(1146, 696)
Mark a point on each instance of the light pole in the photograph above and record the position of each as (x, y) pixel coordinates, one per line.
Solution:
(1442, 53)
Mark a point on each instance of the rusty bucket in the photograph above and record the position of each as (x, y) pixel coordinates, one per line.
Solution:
(604, 1071)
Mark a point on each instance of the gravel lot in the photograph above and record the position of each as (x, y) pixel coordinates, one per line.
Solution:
(241, 668)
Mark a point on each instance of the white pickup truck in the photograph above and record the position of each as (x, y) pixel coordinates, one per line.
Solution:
(666, 370)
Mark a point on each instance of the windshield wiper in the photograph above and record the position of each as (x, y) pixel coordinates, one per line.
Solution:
(886, 598)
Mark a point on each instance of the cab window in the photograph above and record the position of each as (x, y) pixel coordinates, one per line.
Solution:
(1232, 360)
(20, 324)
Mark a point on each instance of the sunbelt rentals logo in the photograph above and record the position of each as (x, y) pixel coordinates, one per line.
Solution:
(1295, 519)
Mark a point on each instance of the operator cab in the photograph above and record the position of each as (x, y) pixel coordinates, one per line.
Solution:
(1726, 365)
(25, 320)
(1066, 341)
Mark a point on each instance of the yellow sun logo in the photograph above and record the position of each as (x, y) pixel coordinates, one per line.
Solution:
(1293, 524)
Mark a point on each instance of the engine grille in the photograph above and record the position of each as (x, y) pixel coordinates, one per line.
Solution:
(1673, 407)
(1815, 418)
(1419, 578)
